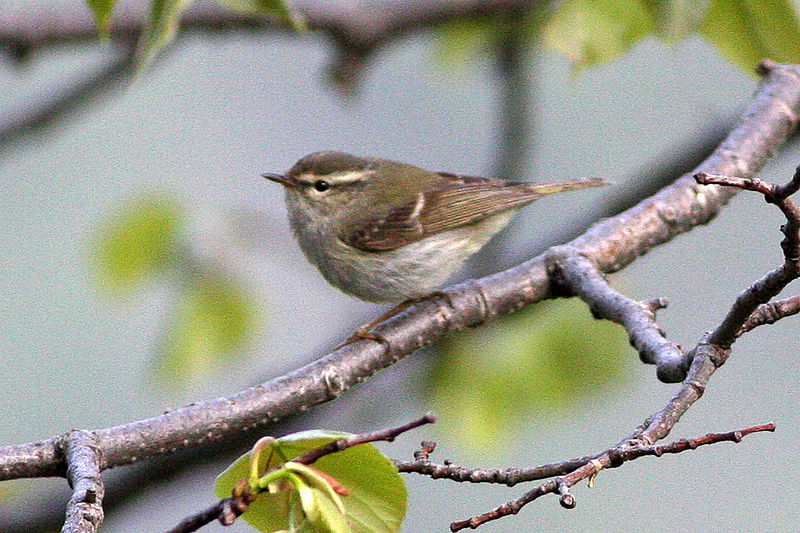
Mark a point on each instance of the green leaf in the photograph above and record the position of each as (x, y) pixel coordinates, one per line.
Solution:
(328, 517)
(140, 240)
(676, 19)
(746, 31)
(465, 39)
(319, 513)
(316, 479)
(214, 319)
(275, 8)
(376, 503)
(102, 14)
(162, 26)
(537, 362)
(308, 500)
(591, 32)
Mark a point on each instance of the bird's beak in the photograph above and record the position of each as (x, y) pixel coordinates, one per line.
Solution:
(280, 178)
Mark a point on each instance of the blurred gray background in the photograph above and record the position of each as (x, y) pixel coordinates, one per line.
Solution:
(216, 112)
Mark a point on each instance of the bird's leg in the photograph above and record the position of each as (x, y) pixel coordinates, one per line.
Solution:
(364, 333)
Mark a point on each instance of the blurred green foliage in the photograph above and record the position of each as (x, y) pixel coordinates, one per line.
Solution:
(276, 8)
(213, 320)
(164, 16)
(593, 32)
(102, 14)
(214, 317)
(162, 26)
(378, 496)
(464, 39)
(745, 31)
(488, 382)
(138, 241)
(676, 19)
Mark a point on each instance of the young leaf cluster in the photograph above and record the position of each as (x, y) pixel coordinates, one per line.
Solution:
(357, 490)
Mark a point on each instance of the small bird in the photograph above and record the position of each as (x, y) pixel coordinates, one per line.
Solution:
(385, 231)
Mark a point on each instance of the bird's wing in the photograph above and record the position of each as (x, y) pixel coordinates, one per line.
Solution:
(454, 201)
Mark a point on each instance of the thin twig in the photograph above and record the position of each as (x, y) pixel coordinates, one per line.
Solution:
(763, 290)
(502, 476)
(612, 458)
(769, 313)
(610, 244)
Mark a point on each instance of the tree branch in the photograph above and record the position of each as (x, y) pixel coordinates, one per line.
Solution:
(612, 458)
(85, 507)
(611, 245)
(763, 290)
(504, 476)
(578, 275)
(769, 313)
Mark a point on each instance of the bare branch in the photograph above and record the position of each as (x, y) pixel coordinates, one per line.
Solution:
(612, 458)
(503, 476)
(576, 275)
(770, 313)
(763, 290)
(611, 245)
(85, 507)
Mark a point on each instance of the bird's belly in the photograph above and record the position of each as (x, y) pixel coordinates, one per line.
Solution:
(410, 271)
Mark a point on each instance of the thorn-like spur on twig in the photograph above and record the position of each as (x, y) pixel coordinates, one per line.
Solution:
(425, 451)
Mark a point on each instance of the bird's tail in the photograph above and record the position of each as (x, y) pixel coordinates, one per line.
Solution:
(543, 189)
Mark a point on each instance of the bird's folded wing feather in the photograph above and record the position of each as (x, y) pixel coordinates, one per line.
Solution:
(453, 202)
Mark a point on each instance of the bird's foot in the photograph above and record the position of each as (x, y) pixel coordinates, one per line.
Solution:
(364, 333)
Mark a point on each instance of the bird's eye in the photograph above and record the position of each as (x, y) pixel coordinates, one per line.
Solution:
(322, 185)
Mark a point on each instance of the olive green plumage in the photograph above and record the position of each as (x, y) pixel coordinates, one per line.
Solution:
(386, 231)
